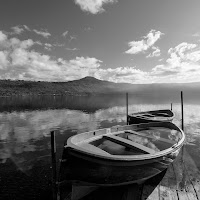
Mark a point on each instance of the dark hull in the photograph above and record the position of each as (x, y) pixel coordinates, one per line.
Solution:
(136, 118)
(78, 167)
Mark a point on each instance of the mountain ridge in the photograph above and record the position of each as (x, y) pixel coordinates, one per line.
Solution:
(90, 86)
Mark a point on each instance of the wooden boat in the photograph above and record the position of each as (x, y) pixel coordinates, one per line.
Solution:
(120, 155)
(151, 116)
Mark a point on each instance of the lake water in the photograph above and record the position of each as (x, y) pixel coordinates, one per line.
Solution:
(26, 122)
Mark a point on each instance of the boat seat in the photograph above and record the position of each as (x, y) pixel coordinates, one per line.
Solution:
(93, 149)
(128, 143)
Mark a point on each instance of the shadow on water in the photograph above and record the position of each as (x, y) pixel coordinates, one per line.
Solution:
(132, 191)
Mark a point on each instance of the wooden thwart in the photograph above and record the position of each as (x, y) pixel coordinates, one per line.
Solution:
(129, 144)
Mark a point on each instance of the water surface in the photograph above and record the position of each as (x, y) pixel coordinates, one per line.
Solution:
(26, 122)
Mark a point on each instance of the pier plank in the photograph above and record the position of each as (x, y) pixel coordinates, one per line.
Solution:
(185, 188)
(167, 193)
(168, 187)
(193, 174)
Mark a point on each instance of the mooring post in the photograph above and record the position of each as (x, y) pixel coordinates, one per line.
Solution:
(127, 120)
(53, 159)
(171, 106)
(182, 111)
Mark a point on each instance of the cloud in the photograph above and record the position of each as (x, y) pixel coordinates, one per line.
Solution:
(183, 65)
(93, 6)
(71, 49)
(17, 29)
(42, 33)
(82, 62)
(147, 42)
(65, 33)
(3, 36)
(123, 75)
(196, 35)
(19, 60)
(155, 53)
(27, 28)
(48, 46)
(88, 29)
(72, 38)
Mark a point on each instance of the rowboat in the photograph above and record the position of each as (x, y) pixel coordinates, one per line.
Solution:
(151, 116)
(120, 155)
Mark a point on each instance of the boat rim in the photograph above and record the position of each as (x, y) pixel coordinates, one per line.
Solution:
(108, 156)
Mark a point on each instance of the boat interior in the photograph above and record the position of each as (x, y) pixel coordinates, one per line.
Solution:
(130, 142)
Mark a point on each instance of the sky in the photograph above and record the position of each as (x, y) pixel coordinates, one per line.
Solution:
(132, 41)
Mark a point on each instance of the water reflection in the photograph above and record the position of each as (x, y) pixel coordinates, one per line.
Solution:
(24, 134)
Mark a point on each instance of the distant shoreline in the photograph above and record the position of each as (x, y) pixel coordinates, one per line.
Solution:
(90, 86)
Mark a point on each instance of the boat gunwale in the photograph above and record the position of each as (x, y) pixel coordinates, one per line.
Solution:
(165, 152)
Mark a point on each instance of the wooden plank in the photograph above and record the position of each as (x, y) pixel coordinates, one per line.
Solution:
(129, 144)
(193, 174)
(149, 136)
(184, 187)
(168, 185)
(167, 194)
(93, 149)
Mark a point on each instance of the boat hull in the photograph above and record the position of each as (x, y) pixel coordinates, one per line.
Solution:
(137, 118)
(78, 167)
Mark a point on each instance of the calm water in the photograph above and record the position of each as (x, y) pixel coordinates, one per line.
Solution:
(26, 122)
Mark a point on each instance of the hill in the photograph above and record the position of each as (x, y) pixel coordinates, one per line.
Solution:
(91, 86)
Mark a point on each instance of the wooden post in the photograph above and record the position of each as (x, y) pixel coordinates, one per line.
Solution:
(171, 106)
(53, 159)
(127, 108)
(182, 111)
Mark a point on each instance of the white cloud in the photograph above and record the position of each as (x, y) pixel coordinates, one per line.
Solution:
(147, 42)
(48, 46)
(82, 62)
(42, 33)
(155, 53)
(65, 33)
(196, 35)
(71, 49)
(18, 60)
(27, 28)
(123, 75)
(17, 29)
(3, 59)
(3, 36)
(72, 38)
(93, 6)
(182, 66)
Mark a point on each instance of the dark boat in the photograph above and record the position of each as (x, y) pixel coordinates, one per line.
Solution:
(151, 116)
(120, 155)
